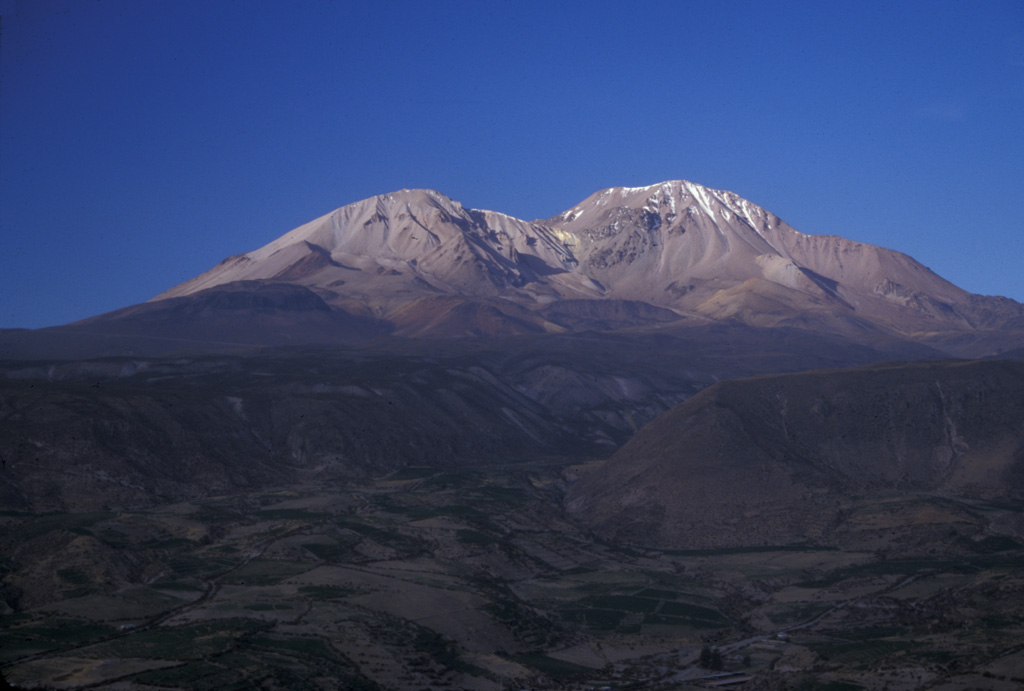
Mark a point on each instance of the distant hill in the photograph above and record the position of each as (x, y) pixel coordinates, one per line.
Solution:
(139, 429)
(777, 459)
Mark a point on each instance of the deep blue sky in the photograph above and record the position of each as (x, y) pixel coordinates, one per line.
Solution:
(143, 142)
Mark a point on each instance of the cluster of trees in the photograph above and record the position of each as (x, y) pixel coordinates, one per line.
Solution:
(710, 658)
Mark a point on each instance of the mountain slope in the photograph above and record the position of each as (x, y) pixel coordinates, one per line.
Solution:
(677, 246)
(229, 316)
(380, 251)
(693, 248)
(775, 459)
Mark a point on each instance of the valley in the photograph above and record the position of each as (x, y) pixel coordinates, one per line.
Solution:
(473, 578)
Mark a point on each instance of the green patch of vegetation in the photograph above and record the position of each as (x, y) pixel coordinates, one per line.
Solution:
(168, 543)
(681, 622)
(444, 652)
(676, 582)
(514, 495)
(78, 523)
(51, 634)
(326, 550)
(601, 619)
(1002, 504)
(72, 593)
(267, 607)
(551, 666)
(626, 603)
(683, 609)
(73, 576)
(594, 587)
(873, 632)
(890, 568)
(367, 530)
(291, 515)
(192, 642)
(114, 538)
(834, 685)
(412, 472)
(941, 657)
(306, 646)
(390, 538)
(473, 537)
(797, 612)
(1009, 559)
(327, 592)
(659, 594)
(148, 600)
(197, 566)
(1000, 621)
(452, 510)
(860, 652)
(65, 631)
(524, 623)
(285, 676)
(265, 572)
(14, 646)
(188, 586)
(753, 549)
(993, 544)
(211, 514)
(451, 479)
(201, 676)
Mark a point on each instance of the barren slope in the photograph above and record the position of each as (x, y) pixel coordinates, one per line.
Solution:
(775, 459)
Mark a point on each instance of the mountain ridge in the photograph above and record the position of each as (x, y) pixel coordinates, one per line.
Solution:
(416, 263)
(674, 245)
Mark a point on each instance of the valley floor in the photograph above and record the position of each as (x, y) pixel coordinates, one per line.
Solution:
(475, 579)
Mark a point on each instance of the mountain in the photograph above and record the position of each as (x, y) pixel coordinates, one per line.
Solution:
(667, 257)
(676, 248)
(787, 458)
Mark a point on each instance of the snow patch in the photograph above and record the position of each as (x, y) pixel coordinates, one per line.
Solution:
(702, 197)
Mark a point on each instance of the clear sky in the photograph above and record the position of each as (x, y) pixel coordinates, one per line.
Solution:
(141, 142)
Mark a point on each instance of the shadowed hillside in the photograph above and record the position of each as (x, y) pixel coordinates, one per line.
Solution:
(778, 459)
(124, 431)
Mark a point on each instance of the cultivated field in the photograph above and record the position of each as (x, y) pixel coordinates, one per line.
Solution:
(475, 579)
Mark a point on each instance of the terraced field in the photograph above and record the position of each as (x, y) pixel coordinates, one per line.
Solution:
(475, 579)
